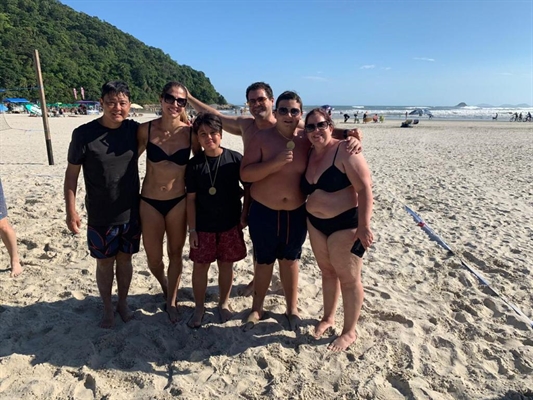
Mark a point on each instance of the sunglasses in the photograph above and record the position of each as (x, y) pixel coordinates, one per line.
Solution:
(258, 100)
(320, 125)
(284, 111)
(169, 99)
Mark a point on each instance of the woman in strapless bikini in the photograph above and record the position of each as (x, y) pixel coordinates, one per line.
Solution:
(168, 142)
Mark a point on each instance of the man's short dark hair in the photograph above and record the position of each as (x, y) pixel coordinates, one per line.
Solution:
(290, 95)
(115, 87)
(258, 86)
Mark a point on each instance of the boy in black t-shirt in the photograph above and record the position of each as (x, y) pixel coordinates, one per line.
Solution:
(214, 214)
(106, 148)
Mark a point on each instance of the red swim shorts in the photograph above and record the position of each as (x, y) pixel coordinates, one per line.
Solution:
(225, 246)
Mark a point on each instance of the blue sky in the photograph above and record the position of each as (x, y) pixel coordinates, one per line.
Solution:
(411, 53)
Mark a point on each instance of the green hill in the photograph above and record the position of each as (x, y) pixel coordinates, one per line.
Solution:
(77, 50)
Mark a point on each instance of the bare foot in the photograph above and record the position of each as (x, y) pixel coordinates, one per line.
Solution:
(196, 320)
(124, 311)
(247, 291)
(294, 321)
(322, 327)
(225, 312)
(108, 321)
(253, 319)
(343, 341)
(16, 269)
(172, 312)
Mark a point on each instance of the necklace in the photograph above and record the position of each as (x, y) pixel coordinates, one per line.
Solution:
(290, 143)
(212, 189)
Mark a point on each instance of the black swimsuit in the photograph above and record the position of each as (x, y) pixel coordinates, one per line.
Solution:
(332, 180)
(156, 154)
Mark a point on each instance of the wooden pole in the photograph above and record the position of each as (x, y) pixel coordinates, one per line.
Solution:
(44, 110)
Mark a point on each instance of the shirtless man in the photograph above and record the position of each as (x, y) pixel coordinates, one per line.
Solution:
(274, 163)
(260, 99)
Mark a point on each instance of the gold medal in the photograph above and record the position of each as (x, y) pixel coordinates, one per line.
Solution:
(212, 190)
(290, 143)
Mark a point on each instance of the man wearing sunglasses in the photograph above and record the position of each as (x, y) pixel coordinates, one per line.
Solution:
(260, 99)
(274, 162)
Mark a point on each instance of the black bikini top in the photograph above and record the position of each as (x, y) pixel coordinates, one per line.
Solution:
(156, 154)
(331, 180)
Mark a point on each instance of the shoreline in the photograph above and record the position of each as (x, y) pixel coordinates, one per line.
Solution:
(428, 328)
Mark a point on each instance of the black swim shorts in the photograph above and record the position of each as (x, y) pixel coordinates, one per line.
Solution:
(277, 234)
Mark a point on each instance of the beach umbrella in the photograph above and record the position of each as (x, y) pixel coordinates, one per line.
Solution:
(420, 112)
(327, 108)
(15, 100)
(137, 106)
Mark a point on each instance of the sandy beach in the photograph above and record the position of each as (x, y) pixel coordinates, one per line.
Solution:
(428, 330)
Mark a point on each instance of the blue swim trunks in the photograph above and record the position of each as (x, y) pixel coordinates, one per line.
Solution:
(277, 234)
(3, 206)
(107, 241)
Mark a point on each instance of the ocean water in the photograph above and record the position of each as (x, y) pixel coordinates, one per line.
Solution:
(441, 113)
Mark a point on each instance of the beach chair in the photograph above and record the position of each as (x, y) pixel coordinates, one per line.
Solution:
(407, 123)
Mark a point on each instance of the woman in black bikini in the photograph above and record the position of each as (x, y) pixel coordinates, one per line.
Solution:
(339, 208)
(168, 142)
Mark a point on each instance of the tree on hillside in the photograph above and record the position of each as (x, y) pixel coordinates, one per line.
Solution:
(77, 50)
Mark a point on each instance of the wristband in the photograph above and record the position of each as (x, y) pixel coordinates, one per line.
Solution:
(345, 134)
(192, 230)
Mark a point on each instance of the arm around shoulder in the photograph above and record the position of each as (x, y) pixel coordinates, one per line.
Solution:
(254, 168)
(229, 124)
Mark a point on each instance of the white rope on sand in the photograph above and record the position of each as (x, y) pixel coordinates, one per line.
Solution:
(4, 125)
(433, 235)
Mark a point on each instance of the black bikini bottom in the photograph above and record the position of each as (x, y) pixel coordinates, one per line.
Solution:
(163, 206)
(345, 220)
